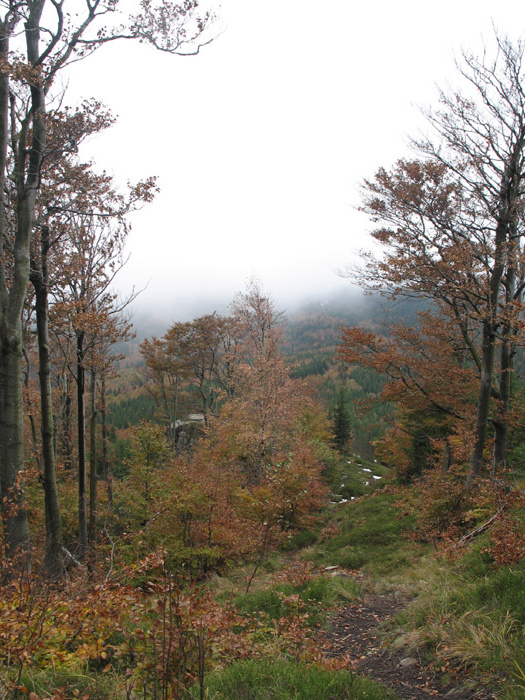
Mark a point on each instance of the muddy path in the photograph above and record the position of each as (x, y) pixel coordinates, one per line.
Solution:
(356, 632)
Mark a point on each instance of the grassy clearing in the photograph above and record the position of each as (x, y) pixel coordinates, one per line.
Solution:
(370, 531)
(370, 538)
(313, 598)
(286, 680)
(355, 477)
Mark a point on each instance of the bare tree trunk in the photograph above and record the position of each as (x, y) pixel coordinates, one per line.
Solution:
(507, 213)
(40, 281)
(93, 464)
(484, 396)
(67, 441)
(105, 460)
(29, 409)
(501, 421)
(508, 352)
(16, 531)
(82, 515)
(28, 160)
(14, 511)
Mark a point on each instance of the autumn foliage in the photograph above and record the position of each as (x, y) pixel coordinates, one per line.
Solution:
(250, 480)
(106, 557)
(254, 477)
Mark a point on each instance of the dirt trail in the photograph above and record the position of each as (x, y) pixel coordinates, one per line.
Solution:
(355, 633)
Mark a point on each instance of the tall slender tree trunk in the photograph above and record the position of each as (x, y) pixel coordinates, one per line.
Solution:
(508, 352)
(29, 409)
(93, 463)
(507, 213)
(28, 160)
(12, 495)
(501, 420)
(104, 421)
(82, 514)
(27, 169)
(40, 280)
(484, 396)
(4, 137)
(67, 441)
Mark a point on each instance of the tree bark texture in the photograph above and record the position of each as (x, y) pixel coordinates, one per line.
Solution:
(82, 514)
(93, 464)
(507, 213)
(40, 281)
(105, 459)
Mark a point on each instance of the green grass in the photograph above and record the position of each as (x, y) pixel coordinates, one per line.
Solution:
(490, 589)
(72, 684)
(471, 614)
(370, 537)
(302, 539)
(354, 477)
(288, 680)
(465, 612)
(312, 597)
(267, 602)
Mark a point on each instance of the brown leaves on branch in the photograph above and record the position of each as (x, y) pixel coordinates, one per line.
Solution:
(449, 231)
(255, 475)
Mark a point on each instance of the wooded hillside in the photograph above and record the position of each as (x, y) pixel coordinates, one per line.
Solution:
(213, 511)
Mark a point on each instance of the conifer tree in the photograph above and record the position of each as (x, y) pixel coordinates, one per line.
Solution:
(342, 423)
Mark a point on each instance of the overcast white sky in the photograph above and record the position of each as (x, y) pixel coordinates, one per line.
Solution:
(260, 142)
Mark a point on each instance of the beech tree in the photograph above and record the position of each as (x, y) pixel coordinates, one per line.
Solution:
(195, 359)
(68, 189)
(45, 38)
(259, 320)
(266, 401)
(451, 225)
(86, 312)
(428, 380)
(341, 423)
(257, 472)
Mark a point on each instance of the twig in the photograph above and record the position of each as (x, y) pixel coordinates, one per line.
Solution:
(72, 558)
(481, 528)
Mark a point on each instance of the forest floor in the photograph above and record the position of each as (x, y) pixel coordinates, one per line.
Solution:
(357, 632)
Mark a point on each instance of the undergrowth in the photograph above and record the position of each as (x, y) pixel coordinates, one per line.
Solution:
(370, 537)
(282, 680)
(311, 598)
(146, 635)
